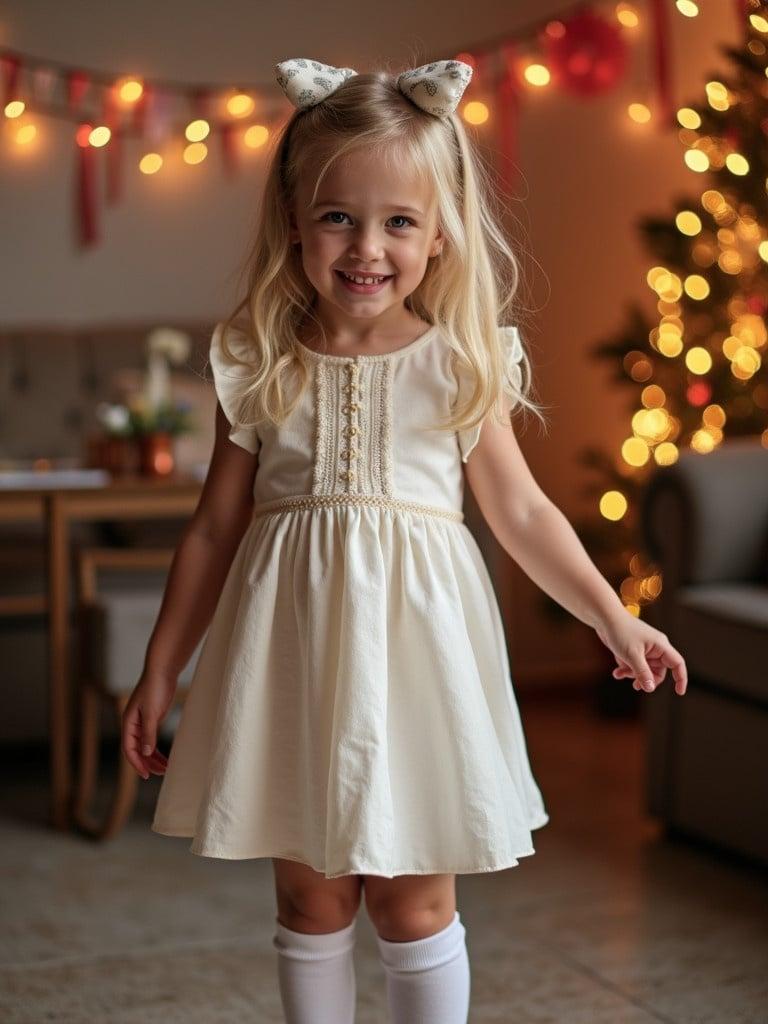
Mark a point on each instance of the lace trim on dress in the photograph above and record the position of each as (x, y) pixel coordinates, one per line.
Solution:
(323, 436)
(312, 501)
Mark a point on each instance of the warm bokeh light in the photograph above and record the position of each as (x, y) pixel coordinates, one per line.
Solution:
(688, 118)
(537, 74)
(737, 164)
(698, 360)
(25, 134)
(697, 160)
(82, 135)
(717, 95)
(613, 505)
(653, 396)
(130, 90)
(758, 22)
(240, 104)
(195, 153)
(688, 223)
(696, 286)
(746, 362)
(150, 163)
(476, 112)
(99, 136)
(255, 136)
(15, 108)
(627, 16)
(635, 451)
(665, 454)
(687, 7)
(714, 416)
(197, 130)
(703, 442)
(639, 113)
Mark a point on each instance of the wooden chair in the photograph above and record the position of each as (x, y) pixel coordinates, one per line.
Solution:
(114, 627)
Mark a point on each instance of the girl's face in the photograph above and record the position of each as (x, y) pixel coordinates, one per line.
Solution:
(367, 220)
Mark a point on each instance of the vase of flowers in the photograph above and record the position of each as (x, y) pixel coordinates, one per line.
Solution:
(150, 419)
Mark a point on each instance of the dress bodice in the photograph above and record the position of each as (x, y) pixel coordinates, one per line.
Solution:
(365, 429)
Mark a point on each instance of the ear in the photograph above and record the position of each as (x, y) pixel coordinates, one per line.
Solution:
(437, 243)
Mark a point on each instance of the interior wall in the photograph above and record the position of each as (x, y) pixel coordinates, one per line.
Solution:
(171, 250)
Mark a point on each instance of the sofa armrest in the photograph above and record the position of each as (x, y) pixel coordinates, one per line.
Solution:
(705, 519)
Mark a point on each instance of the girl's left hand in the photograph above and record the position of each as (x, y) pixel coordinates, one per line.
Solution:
(642, 653)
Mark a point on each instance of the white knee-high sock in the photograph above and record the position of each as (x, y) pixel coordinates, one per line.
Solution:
(428, 980)
(316, 975)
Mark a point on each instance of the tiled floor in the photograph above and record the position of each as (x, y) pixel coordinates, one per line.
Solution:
(607, 923)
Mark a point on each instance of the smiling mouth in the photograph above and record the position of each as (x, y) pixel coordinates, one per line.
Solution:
(364, 278)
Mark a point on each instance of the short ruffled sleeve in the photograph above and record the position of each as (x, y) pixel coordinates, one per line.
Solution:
(228, 380)
(513, 347)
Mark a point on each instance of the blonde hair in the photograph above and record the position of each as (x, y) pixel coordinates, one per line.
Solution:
(468, 290)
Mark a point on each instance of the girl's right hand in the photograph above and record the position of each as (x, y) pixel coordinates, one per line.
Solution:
(146, 708)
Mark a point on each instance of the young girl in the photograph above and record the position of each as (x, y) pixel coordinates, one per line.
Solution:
(352, 714)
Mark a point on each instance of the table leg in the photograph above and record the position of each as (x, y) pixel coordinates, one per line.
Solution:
(60, 724)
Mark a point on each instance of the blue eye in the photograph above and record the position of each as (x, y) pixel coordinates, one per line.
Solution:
(340, 213)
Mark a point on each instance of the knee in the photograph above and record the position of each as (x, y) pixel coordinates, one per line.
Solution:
(310, 909)
(403, 920)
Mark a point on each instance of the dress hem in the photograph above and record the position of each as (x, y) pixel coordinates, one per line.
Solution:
(226, 853)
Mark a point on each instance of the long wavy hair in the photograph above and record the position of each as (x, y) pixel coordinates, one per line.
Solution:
(468, 290)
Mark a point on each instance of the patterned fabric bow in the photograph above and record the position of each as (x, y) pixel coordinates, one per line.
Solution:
(436, 87)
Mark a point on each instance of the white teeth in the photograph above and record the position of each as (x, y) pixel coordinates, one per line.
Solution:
(363, 280)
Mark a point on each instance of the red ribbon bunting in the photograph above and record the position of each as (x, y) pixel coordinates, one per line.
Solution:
(229, 150)
(85, 196)
(11, 67)
(662, 64)
(77, 85)
(114, 168)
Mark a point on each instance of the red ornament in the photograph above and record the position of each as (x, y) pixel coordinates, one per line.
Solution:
(77, 86)
(756, 304)
(698, 393)
(589, 57)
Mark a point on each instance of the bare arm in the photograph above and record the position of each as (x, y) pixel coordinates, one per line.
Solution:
(199, 568)
(538, 536)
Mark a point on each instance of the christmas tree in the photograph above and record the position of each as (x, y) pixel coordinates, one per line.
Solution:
(696, 373)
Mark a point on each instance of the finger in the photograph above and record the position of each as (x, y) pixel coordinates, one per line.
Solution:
(676, 664)
(644, 675)
(148, 733)
(131, 733)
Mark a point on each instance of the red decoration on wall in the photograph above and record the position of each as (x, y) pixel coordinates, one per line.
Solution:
(229, 150)
(85, 188)
(589, 57)
(114, 168)
(77, 86)
(11, 67)
(139, 112)
(662, 75)
(200, 100)
(742, 10)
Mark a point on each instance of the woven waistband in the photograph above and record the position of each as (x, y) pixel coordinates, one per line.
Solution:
(312, 501)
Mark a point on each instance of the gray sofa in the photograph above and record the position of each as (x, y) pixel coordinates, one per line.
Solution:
(705, 522)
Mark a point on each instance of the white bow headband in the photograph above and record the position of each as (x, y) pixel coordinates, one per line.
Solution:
(436, 87)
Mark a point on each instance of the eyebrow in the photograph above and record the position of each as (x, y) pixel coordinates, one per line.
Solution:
(388, 206)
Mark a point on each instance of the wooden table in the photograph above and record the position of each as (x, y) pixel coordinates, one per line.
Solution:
(57, 507)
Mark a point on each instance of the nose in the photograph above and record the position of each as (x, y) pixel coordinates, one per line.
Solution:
(367, 245)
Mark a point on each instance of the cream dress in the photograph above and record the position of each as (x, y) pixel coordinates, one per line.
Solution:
(352, 706)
